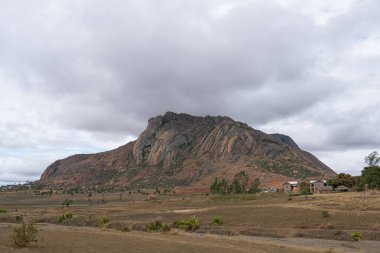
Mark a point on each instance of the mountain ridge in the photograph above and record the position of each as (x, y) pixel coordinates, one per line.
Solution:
(185, 151)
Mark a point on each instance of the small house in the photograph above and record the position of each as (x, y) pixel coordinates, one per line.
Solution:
(315, 185)
(319, 186)
(291, 187)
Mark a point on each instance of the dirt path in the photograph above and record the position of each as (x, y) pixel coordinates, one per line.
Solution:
(319, 245)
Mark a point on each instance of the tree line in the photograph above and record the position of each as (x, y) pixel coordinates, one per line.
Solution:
(238, 185)
(369, 178)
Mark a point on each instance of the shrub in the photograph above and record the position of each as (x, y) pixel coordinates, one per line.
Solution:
(65, 216)
(325, 214)
(2, 210)
(24, 235)
(157, 226)
(104, 220)
(217, 221)
(68, 215)
(356, 236)
(189, 225)
(194, 223)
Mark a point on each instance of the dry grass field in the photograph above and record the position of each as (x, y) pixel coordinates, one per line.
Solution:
(112, 222)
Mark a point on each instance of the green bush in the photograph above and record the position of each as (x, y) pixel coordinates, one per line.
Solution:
(104, 220)
(68, 215)
(2, 210)
(157, 226)
(356, 236)
(189, 225)
(24, 235)
(217, 221)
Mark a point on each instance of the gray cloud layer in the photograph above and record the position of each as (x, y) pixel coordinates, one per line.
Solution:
(86, 75)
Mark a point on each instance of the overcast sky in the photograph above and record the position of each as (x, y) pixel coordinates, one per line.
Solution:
(82, 76)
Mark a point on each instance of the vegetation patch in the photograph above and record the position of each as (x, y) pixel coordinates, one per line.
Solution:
(104, 220)
(189, 225)
(288, 168)
(239, 185)
(24, 235)
(356, 236)
(65, 216)
(157, 226)
(217, 221)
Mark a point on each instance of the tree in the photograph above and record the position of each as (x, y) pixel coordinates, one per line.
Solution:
(219, 187)
(371, 177)
(372, 159)
(342, 179)
(239, 183)
(371, 174)
(213, 187)
(255, 186)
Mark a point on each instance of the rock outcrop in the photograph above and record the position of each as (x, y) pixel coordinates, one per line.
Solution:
(180, 150)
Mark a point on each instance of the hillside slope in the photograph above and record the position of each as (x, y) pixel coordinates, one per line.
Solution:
(180, 150)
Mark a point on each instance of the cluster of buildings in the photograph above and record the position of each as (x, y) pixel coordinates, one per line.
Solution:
(315, 186)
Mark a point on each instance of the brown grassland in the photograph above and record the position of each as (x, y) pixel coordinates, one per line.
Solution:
(114, 222)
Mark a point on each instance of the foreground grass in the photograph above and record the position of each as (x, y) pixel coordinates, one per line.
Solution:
(327, 216)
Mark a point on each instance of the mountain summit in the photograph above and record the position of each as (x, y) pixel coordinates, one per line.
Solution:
(188, 152)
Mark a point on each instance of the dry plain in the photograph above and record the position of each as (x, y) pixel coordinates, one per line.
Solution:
(252, 223)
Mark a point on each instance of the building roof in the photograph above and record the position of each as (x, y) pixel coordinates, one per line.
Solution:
(294, 183)
(318, 180)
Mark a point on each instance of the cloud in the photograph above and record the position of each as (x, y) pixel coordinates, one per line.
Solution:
(86, 75)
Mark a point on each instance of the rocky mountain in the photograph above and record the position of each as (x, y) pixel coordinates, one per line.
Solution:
(188, 152)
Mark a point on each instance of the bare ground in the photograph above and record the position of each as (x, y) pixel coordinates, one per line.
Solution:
(262, 223)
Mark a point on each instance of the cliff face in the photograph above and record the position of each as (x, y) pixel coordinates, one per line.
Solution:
(183, 150)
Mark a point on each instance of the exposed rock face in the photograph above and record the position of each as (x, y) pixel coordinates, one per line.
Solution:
(184, 150)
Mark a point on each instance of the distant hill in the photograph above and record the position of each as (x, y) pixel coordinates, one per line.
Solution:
(188, 152)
